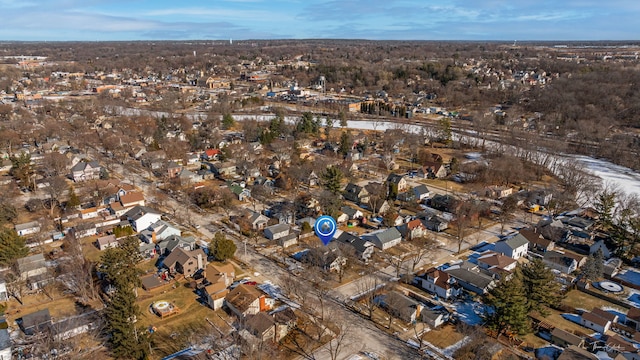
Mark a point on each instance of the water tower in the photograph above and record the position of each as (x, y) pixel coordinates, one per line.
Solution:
(322, 82)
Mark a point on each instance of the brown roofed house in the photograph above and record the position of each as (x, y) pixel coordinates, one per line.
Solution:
(132, 199)
(261, 326)
(246, 300)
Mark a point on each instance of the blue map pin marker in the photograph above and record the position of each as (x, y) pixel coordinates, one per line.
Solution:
(325, 227)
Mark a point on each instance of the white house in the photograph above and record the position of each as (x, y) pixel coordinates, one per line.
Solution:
(515, 247)
(4, 296)
(384, 239)
(141, 217)
(83, 171)
(159, 231)
(32, 227)
(277, 231)
(439, 283)
(595, 322)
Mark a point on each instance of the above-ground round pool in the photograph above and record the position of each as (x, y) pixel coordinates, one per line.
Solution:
(610, 286)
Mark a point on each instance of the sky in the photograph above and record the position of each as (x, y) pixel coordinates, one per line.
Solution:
(507, 20)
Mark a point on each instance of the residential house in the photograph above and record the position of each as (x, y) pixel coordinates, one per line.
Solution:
(4, 295)
(217, 280)
(185, 262)
(74, 326)
(211, 154)
(600, 246)
(565, 339)
(141, 217)
(288, 240)
(438, 282)
(173, 169)
(257, 220)
(576, 353)
(471, 277)
(31, 266)
(384, 239)
(436, 223)
(558, 260)
(432, 170)
(537, 243)
(285, 321)
(381, 207)
(36, 322)
(540, 197)
(106, 242)
(131, 199)
(497, 263)
(275, 232)
(633, 318)
(328, 258)
(172, 242)
(421, 192)
(356, 193)
(262, 326)
(158, 231)
(595, 322)
(398, 181)
(246, 300)
(412, 230)
(435, 317)
(83, 171)
(29, 228)
(240, 192)
(401, 306)
(350, 213)
(498, 192)
(187, 177)
(514, 247)
(363, 248)
(225, 169)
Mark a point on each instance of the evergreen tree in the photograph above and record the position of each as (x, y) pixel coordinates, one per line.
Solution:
(508, 303)
(332, 177)
(345, 143)
(605, 204)
(74, 200)
(541, 288)
(594, 266)
(228, 121)
(126, 341)
(12, 246)
(222, 248)
(119, 265)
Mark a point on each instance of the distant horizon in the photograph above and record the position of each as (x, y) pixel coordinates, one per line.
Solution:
(402, 20)
(236, 41)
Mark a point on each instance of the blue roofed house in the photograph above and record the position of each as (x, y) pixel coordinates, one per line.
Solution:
(384, 239)
(514, 247)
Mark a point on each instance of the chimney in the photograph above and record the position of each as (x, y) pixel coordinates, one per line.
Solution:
(263, 303)
(200, 262)
(153, 236)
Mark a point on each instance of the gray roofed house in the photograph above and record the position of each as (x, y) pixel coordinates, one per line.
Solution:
(362, 247)
(83, 171)
(162, 230)
(421, 192)
(31, 227)
(141, 217)
(514, 247)
(384, 239)
(257, 220)
(5, 344)
(356, 193)
(399, 180)
(31, 266)
(172, 242)
(400, 306)
(35, 322)
(560, 261)
(351, 212)
(275, 232)
(471, 277)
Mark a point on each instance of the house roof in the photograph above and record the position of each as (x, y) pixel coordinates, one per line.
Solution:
(442, 278)
(259, 323)
(32, 262)
(139, 211)
(594, 318)
(37, 319)
(351, 212)
(213, 270)
(29, 225)
(83, 165)
(385, 236)
(243, 296)
(274, 229)
(402, 305)
(180, 256)
(360, 245)
(470, 275)
(497, 260)
(106, 240)
(567, 337)
(605, 314)
(558, 258)
(515, 242)
(131, 197)
(395, 178)
(420, 190)
(575, 353)
(633, 313)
